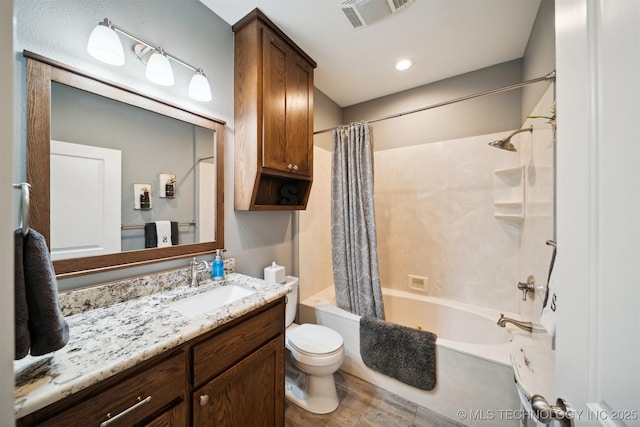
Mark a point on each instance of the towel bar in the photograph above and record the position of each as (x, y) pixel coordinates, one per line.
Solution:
(191, 223)
(24, 207)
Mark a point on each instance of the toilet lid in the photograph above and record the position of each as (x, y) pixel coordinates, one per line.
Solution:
(314, 339)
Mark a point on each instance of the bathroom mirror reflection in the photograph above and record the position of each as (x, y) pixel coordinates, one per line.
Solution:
(87, 131)
(92, 147)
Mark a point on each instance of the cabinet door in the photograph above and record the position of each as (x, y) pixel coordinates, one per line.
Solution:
(174, 417)
(250, 393)
(299, 141)
(287, 102)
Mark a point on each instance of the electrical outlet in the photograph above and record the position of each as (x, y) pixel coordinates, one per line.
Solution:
(418, 284)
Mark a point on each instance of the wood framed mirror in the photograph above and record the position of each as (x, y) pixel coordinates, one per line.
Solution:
(46, 78)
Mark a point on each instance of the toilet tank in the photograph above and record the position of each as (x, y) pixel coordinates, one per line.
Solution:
(292, 300)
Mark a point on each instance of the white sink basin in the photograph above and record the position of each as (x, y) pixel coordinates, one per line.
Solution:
(210, 300)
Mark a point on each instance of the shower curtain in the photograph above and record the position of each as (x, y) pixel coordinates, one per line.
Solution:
(353, 228)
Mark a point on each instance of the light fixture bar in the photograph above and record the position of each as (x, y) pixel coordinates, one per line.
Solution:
(107, 22)
(105, 46)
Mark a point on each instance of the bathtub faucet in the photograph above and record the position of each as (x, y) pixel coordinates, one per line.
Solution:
(502, 322)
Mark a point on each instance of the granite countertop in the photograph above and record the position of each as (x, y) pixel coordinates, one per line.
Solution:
(109, 339)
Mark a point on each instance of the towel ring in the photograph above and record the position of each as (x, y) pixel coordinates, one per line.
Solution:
(24, 206)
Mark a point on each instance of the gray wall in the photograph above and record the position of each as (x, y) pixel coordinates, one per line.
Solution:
(186, 28)
(478, 116)
(540, 55)
(326, 115)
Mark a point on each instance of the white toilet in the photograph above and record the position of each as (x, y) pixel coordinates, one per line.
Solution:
(317, 352)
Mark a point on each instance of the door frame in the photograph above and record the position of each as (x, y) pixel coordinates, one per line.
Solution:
(598, 208)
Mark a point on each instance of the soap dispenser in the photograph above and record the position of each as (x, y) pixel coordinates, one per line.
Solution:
(217, 268)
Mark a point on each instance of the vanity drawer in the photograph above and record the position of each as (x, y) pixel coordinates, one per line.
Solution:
(148, 393)
(216, 354)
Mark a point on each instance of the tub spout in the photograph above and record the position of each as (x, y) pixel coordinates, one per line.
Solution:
(502, 321)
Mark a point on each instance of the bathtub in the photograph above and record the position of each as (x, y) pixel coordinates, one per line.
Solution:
(475, 384)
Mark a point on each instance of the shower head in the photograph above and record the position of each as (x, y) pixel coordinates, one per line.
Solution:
(505, 143)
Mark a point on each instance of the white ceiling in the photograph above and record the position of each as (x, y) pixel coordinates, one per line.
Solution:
(445, 38)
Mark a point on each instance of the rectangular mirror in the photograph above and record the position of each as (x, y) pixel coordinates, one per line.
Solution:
(119, 179)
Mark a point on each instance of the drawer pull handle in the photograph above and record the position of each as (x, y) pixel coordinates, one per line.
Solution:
(110, 419)
(204, 399)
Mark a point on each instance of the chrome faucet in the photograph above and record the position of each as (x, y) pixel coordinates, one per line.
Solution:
(528, 288)
(197, 267)
(502, 322)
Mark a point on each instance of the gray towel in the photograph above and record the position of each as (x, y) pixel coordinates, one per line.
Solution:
(21, 310)
(404, 353)
(48, 329)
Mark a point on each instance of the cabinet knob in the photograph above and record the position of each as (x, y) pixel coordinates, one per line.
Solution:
(289, 166)
(204, 399)
(295, 167)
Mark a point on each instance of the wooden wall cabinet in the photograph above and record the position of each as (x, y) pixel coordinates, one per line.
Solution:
(273, 117)
(231, 376)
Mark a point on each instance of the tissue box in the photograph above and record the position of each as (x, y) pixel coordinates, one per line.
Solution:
(274, 273)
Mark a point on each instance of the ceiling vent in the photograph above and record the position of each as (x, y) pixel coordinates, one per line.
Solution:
(361, 13)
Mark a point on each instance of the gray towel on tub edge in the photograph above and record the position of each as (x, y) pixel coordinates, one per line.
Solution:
(401, 352)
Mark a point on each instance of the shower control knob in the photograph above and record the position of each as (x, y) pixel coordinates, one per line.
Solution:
(528, 288)
(204, 399)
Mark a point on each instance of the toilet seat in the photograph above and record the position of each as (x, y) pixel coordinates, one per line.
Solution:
(315, 345)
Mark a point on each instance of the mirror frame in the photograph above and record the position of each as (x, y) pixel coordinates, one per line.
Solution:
(41, 72)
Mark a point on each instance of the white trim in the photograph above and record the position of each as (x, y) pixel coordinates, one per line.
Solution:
(593, 45)
(597, 268)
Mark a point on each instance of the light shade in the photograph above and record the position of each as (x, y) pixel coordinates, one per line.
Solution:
(104, 45)
(159, 70)
(199, 87)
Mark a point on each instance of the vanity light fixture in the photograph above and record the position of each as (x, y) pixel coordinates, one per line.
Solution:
(199, 87)
(159, 69)
(104, 45)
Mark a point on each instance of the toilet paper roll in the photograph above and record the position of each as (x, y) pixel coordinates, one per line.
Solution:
(274, 273)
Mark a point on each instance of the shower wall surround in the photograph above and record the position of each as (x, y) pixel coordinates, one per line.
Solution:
(537, 155)
(435, 218)
(314, 232)
(434, 213)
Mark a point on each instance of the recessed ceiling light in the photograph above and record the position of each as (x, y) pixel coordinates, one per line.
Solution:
(404, 64)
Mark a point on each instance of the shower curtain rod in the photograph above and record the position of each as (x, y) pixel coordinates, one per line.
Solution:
(550, 76)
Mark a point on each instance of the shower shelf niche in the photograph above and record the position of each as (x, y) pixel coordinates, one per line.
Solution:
(508, 194)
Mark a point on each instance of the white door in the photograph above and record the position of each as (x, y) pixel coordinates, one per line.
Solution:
(85, 200)
(206, 201)
(598, 210)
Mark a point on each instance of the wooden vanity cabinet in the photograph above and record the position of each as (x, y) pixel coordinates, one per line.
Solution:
(238, 374)
(151, 394)
(245, 394)
(231, 376)
(273, 117)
